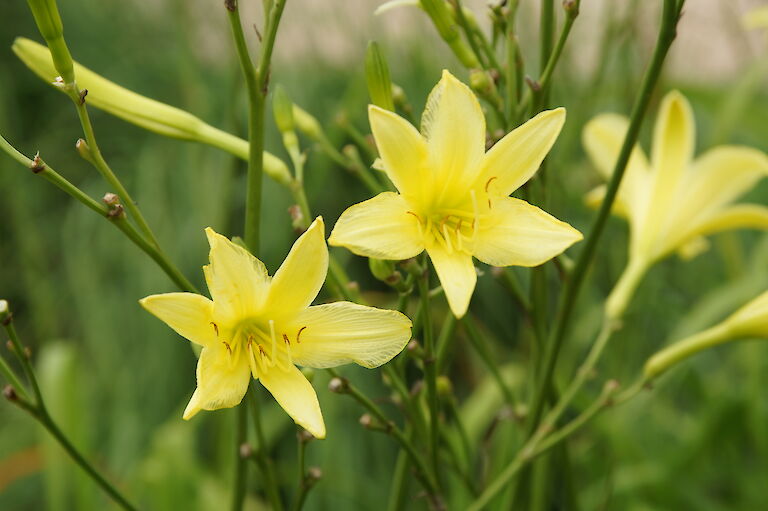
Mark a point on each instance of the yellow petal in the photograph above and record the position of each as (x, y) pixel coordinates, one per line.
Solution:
(457, 276)
(237, 281)
(300, 277)
(517, 233)
(402, 148)
(692, 248)
(221, 381)
(718, 177)
(380, 227)
(740, 216)
(343, 332)
(189, 314)
(297, 397)
(514, 159)
(595, 196)
(673, 145)
(603, 137)
(454, 126)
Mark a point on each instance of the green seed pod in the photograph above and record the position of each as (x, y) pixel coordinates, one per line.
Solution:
(282, 108)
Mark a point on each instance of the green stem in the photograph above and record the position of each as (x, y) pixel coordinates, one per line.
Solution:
(425, 476)
(262, 456)
(679, 351)
(540, 444)
(97, 160)
(39, 411)
(397, 491)
(430, 369)
(302, 485)
(444, 343)
(12, 379)
(571, 289)
(241, 467)
(482, 349)
(41, 168)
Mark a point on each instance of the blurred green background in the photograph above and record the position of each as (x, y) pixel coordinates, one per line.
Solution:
(117, 379)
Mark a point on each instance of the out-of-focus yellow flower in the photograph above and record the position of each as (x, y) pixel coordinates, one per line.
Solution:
(749, 321)
(673, 201)
(261, 326)
(454, 197)
(756, 18)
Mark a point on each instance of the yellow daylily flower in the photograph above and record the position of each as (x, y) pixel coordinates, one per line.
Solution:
(454, 197)
(672, 201)
(260, 326)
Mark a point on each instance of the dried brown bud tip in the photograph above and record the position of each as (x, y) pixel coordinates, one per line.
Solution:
(82, 94)
(9, 393)
(246, 451)
(37, 164)
(314, 473)
(366, 420)
(533, 84)
(230, 5)
(305, 436)
(27, 352)
(110, 199)
(337, 385)
(116, 211)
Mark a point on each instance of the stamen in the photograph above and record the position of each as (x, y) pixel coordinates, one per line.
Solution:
(299, 334)
(459, 236)
(447, 239)
(274, 341)
(216, 328)
(262, 364)
(488, 183)
(421, 231)
(229, 348)
(252, 359)
(288, 351)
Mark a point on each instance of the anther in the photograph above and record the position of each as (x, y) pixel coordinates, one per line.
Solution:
(299, 334)
(487, 183)
(216, 328)
(229, 348)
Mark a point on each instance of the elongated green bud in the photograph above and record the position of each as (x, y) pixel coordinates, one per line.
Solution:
(749, 321)
(144, 112)
(307, 124)
(444, 21)
(46, 15)
(377, 77)
(282, 108)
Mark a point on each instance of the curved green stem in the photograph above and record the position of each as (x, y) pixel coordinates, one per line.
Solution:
(567, 300)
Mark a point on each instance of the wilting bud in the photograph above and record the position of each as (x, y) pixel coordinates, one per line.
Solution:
(377, 78)
(749, 321)
(142, 111)
(282, 107)
(337, 385)
(46, 15)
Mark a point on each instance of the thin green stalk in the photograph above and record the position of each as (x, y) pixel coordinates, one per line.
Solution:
(262, 456)
(425, 475)
(95, 157)
(12, 379)
(444, 343)
(241, 466)
(667, 32)
(39, 411)
(540, 444)
(305, 483)
(430, 369)
(397, 492)
(553, 57)
(468, 32)
(482, 349)
(41, 168)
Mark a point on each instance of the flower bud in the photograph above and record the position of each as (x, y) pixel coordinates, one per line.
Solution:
(377, 78)
(479, 80)
(751, 320)
(142, 111)
(46, 15)
(382, 269)
(307, 124)
(282, 108)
